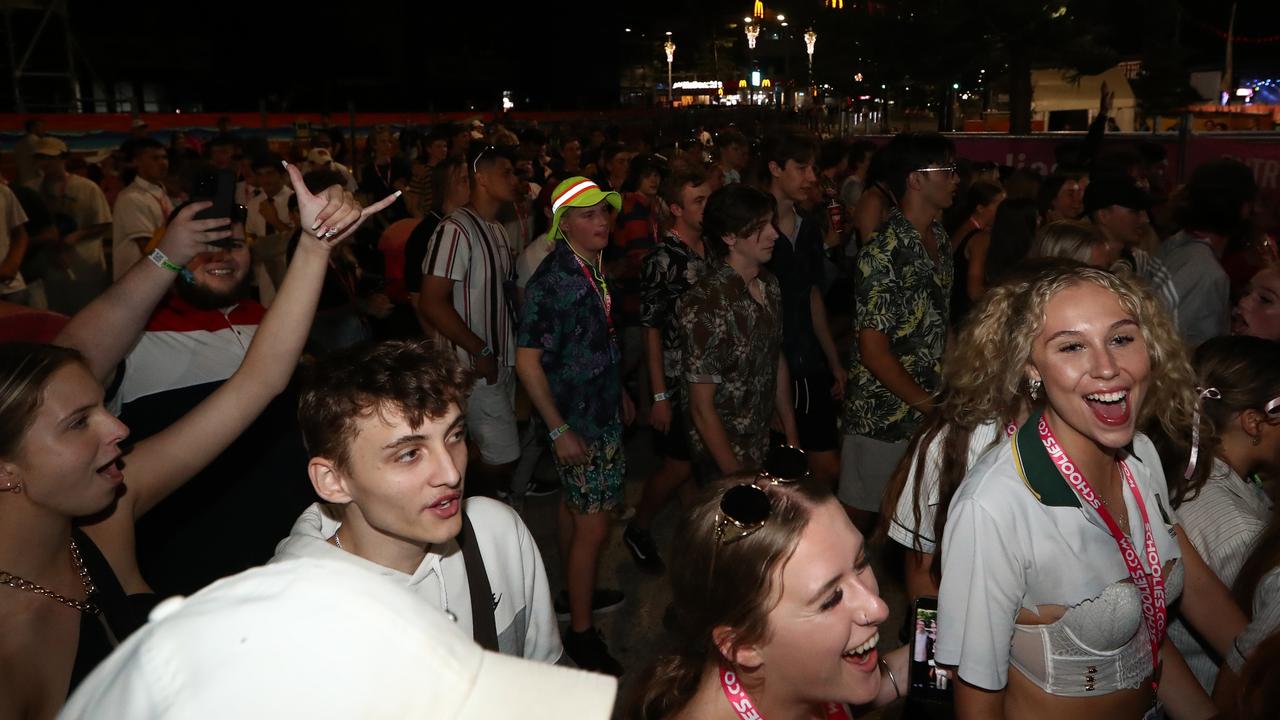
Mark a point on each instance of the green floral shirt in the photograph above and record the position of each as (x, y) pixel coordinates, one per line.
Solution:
(900, 291)
(733, 342)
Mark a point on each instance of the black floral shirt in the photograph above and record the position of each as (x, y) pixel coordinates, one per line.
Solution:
(666, 275)
(733, 342)
(900, 291)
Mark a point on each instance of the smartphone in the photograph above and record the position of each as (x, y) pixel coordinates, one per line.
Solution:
(929, 682)
(218, 187)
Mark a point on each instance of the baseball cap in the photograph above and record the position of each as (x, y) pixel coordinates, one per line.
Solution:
(138, 123)
(50, 147)
(319, 156)
(312, 637)
(1106, 192)
(577, 192)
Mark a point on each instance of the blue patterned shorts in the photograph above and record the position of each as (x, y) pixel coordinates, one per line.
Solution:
(596, 486)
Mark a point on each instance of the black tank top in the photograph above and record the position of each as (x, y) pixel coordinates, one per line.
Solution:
(960, 302)
(121, 614)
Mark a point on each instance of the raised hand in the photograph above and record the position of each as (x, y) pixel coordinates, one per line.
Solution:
(332, 215)
(186, 237)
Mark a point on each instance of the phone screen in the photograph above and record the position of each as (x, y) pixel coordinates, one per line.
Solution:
(928, 681)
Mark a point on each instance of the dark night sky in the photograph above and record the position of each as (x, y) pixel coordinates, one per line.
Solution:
(431, 54)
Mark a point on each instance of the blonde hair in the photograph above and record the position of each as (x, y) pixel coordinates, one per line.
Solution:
(1066, 239)
(995, 347)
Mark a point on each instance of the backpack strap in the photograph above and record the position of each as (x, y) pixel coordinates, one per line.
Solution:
(484, 629)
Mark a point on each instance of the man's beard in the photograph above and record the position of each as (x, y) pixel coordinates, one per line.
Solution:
(207, 299)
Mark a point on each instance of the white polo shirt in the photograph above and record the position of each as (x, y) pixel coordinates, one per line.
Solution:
(142, 207)
(1018, 537)
(11, 217)
(1223, 522)
(903, 528)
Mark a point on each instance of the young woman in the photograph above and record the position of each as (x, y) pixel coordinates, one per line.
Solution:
(1074, 240)
(1060, 553)
(1257, 312)
(1012, 233)
(1222, 511)
(970, 255)
(779, 610)
(1257, 588)
(69, 496)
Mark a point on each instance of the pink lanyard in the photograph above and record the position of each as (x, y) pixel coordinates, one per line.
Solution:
(1150, 585)
(602, 290)
(741, 701)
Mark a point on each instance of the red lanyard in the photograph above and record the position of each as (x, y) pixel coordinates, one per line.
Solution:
(602, 290)
(1150, 585)
(746, 709)
(1010, 429)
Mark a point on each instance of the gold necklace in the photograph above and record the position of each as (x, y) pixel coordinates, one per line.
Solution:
(84, 606)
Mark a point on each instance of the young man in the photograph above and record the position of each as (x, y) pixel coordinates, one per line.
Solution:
(269, 225)
(143, 207)
(1118, 207)
(735, 152)
(902, 294)
(735, 375)
(817, 375)
(464, 297)
(570, 363)
(385, 428)
(669, 271)
(1219, 199)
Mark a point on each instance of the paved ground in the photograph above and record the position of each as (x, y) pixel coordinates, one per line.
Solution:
(634, 632)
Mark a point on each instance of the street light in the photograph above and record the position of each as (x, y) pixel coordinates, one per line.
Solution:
(810, 39)
(670, 47)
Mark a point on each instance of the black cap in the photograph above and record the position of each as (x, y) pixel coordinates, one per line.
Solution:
(1107, 192)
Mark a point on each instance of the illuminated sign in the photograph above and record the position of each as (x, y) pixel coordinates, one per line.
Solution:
(697, 85)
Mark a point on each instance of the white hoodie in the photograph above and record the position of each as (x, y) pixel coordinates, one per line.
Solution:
(523, 614)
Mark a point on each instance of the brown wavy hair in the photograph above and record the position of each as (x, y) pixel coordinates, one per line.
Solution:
(724, 585)
(411, 378)
(25, 369)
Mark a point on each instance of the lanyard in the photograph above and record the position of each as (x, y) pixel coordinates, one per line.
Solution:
(1010, 429)
(1150, 585)
(746, 709)
(602, 290)
(162, 201)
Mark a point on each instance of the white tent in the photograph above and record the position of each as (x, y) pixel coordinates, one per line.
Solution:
(1054, 91)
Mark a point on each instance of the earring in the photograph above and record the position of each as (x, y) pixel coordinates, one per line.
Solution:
(13, 487)
(1033, 386)
(1257, 440)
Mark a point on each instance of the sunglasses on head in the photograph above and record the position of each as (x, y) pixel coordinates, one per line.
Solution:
(745, 508)
(476, 162)
(1272, 409)
(948, 169)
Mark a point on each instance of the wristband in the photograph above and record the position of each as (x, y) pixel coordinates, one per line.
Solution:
(659, 397)
(558, 431)
(485, 352)
(163, 262)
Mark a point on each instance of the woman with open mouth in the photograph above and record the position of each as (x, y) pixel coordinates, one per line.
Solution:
(779, 610)
(1060, 555)
(70, 495)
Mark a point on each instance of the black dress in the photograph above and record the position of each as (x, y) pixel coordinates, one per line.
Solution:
(960, 302)
(120, 615)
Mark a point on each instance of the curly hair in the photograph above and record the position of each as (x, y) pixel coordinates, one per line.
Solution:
(1005, 328)
(411, 378)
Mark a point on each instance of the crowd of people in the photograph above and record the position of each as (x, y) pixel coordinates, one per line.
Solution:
(1051, 404)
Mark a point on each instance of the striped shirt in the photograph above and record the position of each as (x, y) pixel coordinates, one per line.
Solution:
(476, 255)
(1265, 621)
(1223, 522)
(1159, 280)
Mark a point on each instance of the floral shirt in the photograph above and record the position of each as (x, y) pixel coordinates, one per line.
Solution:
(564, 317)
(733, 341)
(900, 291)
(667, 274)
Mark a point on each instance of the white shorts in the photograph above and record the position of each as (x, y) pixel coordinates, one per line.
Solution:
(866, 464)
(491, 419)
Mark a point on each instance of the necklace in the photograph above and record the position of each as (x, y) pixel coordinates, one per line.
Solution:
(84, 606)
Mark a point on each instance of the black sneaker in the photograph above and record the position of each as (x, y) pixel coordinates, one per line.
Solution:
(643, 550)
(541, 488)
(588, 651)
(603, 600)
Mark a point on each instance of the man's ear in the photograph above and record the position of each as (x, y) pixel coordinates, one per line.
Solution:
(775, 170)
(746, 657)
(329, 482)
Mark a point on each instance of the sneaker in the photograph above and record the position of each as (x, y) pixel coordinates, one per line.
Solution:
(603, 600)
(541, 488)
(588, 651)
(643, 550)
